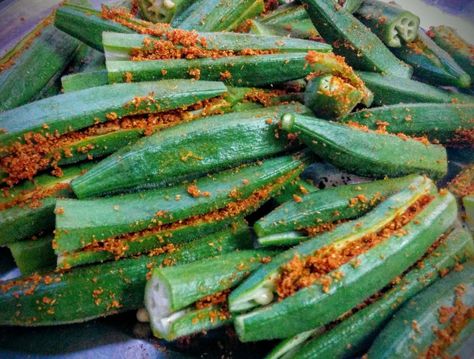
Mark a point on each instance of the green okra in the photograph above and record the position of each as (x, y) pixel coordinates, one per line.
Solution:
(431, 63)
(286, 14)
(446, 123)
(258, 289)
(362, 49)
(84, 80)
(303, 29)
(170, 292)
(366, 152)
(352, 336)
(468, 203)
(331, 97)
(118, 47)
(298, 187)
(184, 152)
(288, 347)
(145, 242)
(463, 184)
(232, 191)
(214, 15)
(74, 111)
(424, 315)
(460, 50)
(28, 68)
(392, 90)
(162, 10)
(33, 255)
(179, 17)
(392, 24)
(86, 59)
(28, 209)
(314, 306)
(329, 205)
(94, 291)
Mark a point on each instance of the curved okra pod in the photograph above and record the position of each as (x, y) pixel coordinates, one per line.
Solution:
(226, 194)
(392, 90)
(392, 24)
(258, 289)
(362, 49)
(431, 63)
(28, 209)
(328, 206)
(361, 273)
(437, 318)
(450, 124)
(184, 151)
(90, 292)
(176, 292)
(366, 152)
(353, 335)
(460, 50)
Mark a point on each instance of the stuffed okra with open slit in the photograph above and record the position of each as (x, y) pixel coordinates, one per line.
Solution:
(228, 194)
(320, 211)
(352, 336)
(189, 150)
(321, 279)
(76, 126)
(187, 299)
(366, 152)
(94, 291)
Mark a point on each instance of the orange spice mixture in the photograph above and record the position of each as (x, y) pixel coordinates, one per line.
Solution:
(457, 317)
(32, 198)
(303, 272)
(262, 97)
(463, 184)
(38, 152)
(218, 299)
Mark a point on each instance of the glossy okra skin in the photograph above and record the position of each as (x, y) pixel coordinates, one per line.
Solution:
(20, 222)
(353, 335)
(215, 15)
(147, 242)
(431, 63)
(445, 123)
(362, 49)
(303, 29)
(392, 24)
(367, 153)
(468, 203)
(460, 50)
(99, 290)
(392, 90)
(312, 307)
(187, 151)
(36, 65)
(399, 340)
(33, 255)
(84, 80)
(84, 221)
(328, 205)
(73, 111)
(119, 46)
(245, 295)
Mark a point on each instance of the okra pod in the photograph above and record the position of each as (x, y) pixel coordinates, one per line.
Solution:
(331, 97)
(362, 49)
(328, 205)
(463, 184)
(431, 63)
(169, 294)
(301, 30)
(449, 124)
(460, 50)
(84, 80)
(28, 209)
(40, 58)
(286, 14)
(226, 194)
(436, 317)
(391, 90)
(392, 24)
(178, 18)
(344, 286)
(162, 10)
(468, 203)
(143, 242)
(100, 290)
(352, 336)
(258, 289)
(183, 151)
(33, 255)
(214, 15)
(367, 152)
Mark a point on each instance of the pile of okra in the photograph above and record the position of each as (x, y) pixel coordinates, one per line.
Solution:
(174, 158)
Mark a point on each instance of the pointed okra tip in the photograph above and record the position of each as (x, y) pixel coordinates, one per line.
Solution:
(287, 121)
